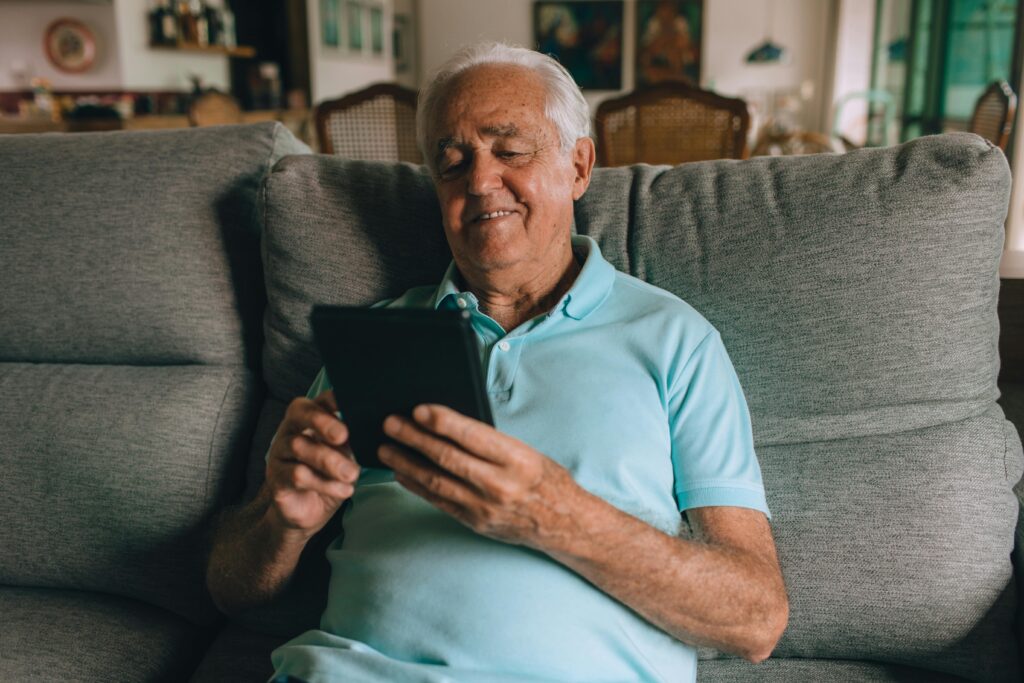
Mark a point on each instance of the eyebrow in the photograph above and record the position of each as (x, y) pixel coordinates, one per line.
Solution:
(506, 131)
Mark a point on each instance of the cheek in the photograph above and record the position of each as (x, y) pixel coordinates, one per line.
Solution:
(451, 208)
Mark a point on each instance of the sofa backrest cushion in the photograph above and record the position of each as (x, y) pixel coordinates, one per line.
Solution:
(134, 247)
(131, 318)
(856, 295)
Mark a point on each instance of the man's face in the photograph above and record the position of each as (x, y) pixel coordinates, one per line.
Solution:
(505, 186)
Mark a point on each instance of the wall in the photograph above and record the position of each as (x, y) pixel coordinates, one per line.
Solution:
(147, 69)
(854, 37)
(731, 28)
(22, 25)
(124, 59)
(336, 71)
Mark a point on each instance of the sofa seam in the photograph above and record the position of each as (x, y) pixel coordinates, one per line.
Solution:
(1006, 451)
(209, 459)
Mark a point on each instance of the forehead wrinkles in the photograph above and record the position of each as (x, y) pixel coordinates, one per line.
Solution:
(502, 101)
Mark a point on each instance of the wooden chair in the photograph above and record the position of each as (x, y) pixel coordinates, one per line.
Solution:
(214, 108)
(670, 123)
(993, 114)
(377, 123)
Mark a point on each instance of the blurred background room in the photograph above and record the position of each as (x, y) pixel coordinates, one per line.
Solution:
(669, 81)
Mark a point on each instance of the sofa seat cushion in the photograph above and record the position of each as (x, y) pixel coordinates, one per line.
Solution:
(906, 564)
(238, 655)
(112, 473)
(66, 635)
(780, 670)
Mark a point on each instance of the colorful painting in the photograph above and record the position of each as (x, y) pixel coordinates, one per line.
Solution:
(586, 37)
(668, 41)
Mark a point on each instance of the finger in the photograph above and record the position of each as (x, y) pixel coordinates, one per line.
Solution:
(426, 474)
(304, 414)
(326, 400)
(472, 435)
(440, 451)
(299, 477)
(441, 503)
(325, 460)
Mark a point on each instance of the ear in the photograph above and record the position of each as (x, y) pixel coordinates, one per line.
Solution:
(583, 157)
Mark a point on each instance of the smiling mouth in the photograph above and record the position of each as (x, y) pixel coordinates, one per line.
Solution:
(493, 214)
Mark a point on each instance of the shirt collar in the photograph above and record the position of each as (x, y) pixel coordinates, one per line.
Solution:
(592, 285)
(589, 291)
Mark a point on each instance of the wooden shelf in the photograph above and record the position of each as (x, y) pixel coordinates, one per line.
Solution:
(239, 51)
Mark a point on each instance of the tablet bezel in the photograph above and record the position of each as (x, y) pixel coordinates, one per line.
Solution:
(340, 331)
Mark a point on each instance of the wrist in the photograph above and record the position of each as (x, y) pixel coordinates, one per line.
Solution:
(279, 534)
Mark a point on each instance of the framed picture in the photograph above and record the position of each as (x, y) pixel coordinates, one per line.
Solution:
(586, 37)
(668, 41)
(330, 19)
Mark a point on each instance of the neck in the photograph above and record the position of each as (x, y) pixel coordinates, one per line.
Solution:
(513, 302)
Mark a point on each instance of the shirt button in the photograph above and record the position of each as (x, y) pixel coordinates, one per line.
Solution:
(461, 302)
(503, 345)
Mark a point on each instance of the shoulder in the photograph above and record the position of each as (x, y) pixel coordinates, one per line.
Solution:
(640, 301)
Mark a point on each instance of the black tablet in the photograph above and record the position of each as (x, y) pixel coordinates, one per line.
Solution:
(384, 361)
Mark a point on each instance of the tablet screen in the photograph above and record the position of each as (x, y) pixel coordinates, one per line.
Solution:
(384, 361)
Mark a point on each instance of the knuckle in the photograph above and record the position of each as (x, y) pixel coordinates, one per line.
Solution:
(504, 492)
(297, 444)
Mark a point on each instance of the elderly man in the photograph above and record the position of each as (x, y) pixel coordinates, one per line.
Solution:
(613, 520)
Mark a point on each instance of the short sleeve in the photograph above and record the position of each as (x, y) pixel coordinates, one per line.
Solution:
(712, 441)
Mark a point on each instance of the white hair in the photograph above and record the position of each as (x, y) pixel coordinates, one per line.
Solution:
(564, 105)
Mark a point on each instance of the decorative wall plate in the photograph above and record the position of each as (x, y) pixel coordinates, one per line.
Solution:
(70, 45)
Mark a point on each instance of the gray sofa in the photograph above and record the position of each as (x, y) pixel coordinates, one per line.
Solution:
(154, 289)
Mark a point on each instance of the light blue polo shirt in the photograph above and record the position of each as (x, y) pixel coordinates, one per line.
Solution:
(622, 383)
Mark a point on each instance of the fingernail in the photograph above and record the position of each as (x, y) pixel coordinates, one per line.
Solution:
(391, 424)
(421, 412)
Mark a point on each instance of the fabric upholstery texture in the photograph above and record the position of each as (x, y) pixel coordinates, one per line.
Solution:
(782, 670)
(134, 247)
(76, 636)
(119, 499)
(131, 316)
(238, 654)
(856, 296)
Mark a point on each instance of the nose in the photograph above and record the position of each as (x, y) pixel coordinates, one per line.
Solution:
(484, 174)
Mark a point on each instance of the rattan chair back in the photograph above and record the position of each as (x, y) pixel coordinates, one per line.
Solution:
(994, 113)
(670, 123)
(377, 123)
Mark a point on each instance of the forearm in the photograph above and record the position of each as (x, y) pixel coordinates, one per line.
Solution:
(252, 557)
(700, 593)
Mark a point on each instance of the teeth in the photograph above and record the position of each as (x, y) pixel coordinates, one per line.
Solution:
(496, 214)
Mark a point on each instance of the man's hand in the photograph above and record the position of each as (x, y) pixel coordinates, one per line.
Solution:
(495, 484)
(310, 470)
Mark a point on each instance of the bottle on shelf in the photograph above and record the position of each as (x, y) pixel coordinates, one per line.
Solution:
(227, 27)
(201, 23)
(168, 23)
(213, 24)
(163, 28)
(187, 29)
